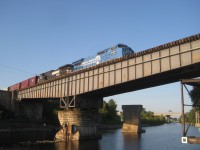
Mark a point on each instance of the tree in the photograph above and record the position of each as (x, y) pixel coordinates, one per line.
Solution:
(103, 112)
(147, 114)
(195, 97)
(148, 118)
(189, 116)
(112, 106)
(108, 113)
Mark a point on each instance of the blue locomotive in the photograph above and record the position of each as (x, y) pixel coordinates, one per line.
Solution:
(117, 51)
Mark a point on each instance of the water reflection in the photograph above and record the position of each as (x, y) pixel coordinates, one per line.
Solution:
(163, 137)
(111, 140)
(131, 141)
(115, 139)
(77, 145)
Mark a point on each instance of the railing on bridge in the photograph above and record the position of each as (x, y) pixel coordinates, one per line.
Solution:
(160, 65)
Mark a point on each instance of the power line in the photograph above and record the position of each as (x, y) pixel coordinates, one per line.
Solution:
(17, 70)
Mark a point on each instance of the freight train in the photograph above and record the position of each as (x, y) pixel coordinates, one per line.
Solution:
(117, 51)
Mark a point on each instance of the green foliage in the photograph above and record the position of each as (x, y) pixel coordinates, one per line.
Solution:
(147, 114)
(195, 97)
(189, 116)
(108, 113)
(148, 118)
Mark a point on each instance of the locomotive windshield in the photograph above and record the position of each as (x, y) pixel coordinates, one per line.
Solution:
(127, 51)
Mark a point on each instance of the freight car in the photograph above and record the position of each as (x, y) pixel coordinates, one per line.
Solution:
(14, 87)
(24, 84)
(117, 51)
(65, 69)
(45, 76)
(55, 73)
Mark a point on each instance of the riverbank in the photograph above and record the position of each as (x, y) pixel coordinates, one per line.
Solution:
(108, 127)
(7, 126)
(119, 126)
(40, 129)
(151, 125)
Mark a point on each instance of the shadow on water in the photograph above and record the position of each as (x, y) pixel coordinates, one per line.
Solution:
(15, 139)
(42, 141)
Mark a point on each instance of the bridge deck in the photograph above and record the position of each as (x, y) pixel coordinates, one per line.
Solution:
(160, 65)
(168, 114)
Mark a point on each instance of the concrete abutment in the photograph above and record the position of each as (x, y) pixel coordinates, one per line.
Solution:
(29, 110)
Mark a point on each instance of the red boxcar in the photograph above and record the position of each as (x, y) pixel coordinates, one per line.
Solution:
(33, 81)
(24, 84)
(14, 87)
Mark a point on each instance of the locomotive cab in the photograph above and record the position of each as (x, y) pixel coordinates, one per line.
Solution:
(125, 49)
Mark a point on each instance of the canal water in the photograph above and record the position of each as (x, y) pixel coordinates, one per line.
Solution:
(164, 137)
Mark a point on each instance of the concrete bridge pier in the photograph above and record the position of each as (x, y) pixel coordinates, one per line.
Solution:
(78, 124)
(168, 118)
(81, 121)
(131, 118)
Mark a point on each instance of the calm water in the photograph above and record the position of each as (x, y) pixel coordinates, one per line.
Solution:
(165, 137)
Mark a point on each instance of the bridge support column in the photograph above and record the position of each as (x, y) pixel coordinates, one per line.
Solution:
(168, 119)
(131, 118)
(80, 122)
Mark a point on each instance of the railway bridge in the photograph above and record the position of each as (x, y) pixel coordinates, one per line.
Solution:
(168, 115)
(86, 88)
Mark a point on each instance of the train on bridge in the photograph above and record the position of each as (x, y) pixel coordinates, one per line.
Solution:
(117, 51)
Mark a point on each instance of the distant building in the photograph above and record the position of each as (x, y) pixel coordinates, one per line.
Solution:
(4, 89)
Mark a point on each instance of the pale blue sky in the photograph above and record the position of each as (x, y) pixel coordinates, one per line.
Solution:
(40, 35)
